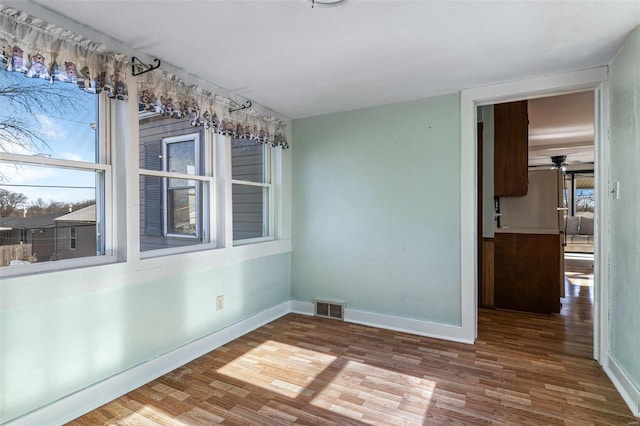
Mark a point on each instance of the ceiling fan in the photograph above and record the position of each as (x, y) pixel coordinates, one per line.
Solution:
(560, 162)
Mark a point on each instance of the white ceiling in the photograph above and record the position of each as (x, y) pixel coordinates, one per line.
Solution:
(561, 125)
(301, 62)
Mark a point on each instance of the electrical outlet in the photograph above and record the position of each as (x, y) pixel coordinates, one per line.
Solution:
(219, 303)
(616, 190)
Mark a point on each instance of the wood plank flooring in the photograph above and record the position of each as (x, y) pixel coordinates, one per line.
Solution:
(524, 370)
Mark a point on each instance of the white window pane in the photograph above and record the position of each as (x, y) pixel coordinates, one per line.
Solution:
(48, 214)
(47, 184)
(182, 210)
(170, 216)
(250, 212)
(53, 120)
(248, 161)
(181, 157)
(584, 194)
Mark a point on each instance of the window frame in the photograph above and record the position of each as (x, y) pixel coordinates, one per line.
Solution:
(103, 168)
(571, 190)
(200, 213)
(207, 165)
(73, 238)
(269, 160)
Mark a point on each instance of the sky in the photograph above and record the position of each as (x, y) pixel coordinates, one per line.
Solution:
(68, 133)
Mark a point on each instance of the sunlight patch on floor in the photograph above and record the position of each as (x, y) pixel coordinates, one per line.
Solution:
(580, 279)
(302, 368)
(392, 392)
(333, 383)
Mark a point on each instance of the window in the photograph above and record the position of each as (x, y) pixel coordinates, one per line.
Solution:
(181, 197)
(73, 238)
(584, 194)
(579, 193)
(54, 168)
(175, 184)
(252, 191)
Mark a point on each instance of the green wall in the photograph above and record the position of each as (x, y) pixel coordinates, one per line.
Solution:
(624, 83)
(376, 209)
(52, 348)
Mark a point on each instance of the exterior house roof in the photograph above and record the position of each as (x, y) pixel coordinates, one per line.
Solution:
(32, 222)
(87, 214)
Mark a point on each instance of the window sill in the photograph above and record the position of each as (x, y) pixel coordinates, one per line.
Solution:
(33, 284)
(176, 251)
(264, 248)
(238, 243)
(55, 266)
(209, 256)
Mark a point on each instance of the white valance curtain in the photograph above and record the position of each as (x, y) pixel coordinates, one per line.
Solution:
(38, 49)
(166, 94)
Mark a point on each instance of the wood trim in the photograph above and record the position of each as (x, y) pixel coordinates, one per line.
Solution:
(562, 266)
(487, 276)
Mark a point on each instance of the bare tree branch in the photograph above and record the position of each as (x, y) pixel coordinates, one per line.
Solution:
(25, 102)
(18, 133)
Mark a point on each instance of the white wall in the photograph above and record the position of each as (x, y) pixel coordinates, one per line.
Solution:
(625, 220)
(61, 332)
(376, 212)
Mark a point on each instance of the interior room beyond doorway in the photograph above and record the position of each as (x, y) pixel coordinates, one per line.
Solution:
(537, 235)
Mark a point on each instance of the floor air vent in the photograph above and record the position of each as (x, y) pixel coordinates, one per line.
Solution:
(331, 310)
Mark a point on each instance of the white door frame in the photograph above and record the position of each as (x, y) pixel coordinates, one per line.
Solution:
(591, 79)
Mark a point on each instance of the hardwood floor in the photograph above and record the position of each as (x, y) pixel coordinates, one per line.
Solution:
(525, 369)
(570, 332)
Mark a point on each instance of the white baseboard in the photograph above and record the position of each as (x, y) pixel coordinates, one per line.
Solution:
(94, 396)
(623, 383)
(303, 308)
(405, 325)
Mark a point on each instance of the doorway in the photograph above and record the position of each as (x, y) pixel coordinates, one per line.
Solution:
(593, 79)
(534, 254)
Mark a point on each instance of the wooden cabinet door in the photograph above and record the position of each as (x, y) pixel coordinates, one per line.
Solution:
(505, 274)
(511, 149)
(527, 268)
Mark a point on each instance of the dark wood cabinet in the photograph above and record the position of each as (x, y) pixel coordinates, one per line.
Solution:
(511, 149)
(486, 274)
(527, 272)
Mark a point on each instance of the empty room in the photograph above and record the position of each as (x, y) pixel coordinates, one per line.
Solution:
(319, 212)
